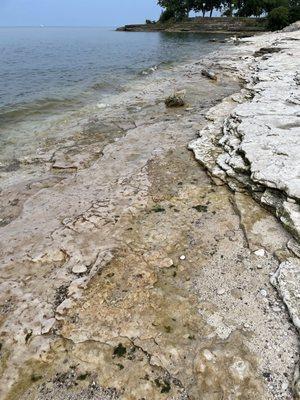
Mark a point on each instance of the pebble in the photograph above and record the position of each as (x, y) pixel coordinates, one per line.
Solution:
(182, 257)
(263, 292)
(276, 309)
(221, 291)
(259, 266)
(208, 355)
(101, 105)
(79, 269)
(260, 253)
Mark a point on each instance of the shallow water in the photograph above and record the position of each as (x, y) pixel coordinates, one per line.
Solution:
(46, 72)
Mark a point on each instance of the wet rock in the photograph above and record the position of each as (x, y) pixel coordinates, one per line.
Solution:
(175, 100)
(209, 74)
(266, 50)
(174, 327)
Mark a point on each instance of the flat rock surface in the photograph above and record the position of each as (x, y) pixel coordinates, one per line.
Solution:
(252, 141)
(134, 276)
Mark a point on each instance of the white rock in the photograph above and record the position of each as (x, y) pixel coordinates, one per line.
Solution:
(208, 355)
(221, 291)
(263, 292)
(287, 281)
(262, 130)
(79, 269)
(182, 257)
(102, 105)
(240, 369)
(165, 263)
(64, 306)
(76, 286)
(260, 253)
(47, 325)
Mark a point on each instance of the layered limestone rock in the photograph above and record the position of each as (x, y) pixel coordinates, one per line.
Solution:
(252, 142)
(252, 138)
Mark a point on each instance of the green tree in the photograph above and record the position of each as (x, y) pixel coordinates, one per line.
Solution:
(294, 14)
(178, 8)
(278, 18)
(205, 6)
(251, 7)
(166, 15)
(269, 5)
(228, 5)
(294, 3)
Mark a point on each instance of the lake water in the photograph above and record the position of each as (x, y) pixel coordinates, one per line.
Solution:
(45, 72)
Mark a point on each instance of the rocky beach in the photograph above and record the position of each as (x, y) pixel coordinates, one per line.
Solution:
(154, 254)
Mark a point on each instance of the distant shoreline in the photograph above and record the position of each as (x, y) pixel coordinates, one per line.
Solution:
(202, 25)
(131, 271)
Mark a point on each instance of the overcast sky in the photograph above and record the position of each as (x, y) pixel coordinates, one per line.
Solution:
(76, 12)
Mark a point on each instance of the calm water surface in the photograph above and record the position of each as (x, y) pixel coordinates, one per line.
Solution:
(48, 71)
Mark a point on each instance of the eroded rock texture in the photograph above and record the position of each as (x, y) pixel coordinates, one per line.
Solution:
(252, 138)
(133, 276)
(252, 142)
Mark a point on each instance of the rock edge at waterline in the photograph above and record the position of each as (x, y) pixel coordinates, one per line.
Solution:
(252, 141)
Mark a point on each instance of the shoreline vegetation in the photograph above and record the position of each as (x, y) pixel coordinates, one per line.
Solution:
(168, 266)
(234, 16)
(202, 25)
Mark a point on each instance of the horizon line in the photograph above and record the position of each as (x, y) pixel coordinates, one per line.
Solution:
(58, 26)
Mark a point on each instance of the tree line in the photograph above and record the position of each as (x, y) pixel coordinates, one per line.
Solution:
(287, 10)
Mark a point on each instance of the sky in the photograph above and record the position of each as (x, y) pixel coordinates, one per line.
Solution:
(76, 12)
